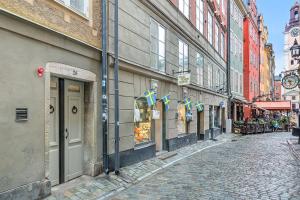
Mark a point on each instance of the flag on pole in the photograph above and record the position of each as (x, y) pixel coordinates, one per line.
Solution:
(188, 104)
(199, 106)
(166, 100)
(151, 97)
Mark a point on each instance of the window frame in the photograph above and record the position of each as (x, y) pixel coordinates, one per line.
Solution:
(185, 66)
(182, 7)
(200, 15)
(200, 69)
(210, 27)
(67, 4)
(158, 41)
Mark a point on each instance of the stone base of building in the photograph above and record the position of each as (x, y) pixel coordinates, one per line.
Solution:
(132, 156)
(182, 141)
(35, 190)
(93, 169)
(207, 134)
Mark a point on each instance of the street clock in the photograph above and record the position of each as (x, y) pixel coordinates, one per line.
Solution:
(295, 32)
(290, 81)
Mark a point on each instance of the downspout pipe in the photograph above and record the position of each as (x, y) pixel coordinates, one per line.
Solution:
(104, 89)
(116, 83)
(228, 62)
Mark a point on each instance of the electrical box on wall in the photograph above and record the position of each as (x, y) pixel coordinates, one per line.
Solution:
(21, 114)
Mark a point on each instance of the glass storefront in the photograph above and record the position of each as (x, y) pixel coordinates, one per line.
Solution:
(181, 123)
(142, 124)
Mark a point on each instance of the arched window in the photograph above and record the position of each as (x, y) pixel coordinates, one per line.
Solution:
(296, 14)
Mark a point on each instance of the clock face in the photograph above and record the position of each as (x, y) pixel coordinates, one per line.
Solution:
(290, 81)
(295, 32)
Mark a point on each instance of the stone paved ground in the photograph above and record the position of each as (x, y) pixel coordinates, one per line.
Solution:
(253, 167)
(101, 187)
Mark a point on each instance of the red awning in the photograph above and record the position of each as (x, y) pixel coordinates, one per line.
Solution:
(274, 105)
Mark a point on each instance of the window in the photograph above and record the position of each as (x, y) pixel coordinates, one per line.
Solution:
(184, 7)
(236, 82)
(210, 28)
(181, 122)
(241, 84)
(199, 15)
(183, 56)
(293, 98)
(222, 51)
(296, 15)
(142, 124)
(158, 46)
(217, 80)
(223, 7)
(200, 66)
(217, 47)
(80, 6)
(210, 76)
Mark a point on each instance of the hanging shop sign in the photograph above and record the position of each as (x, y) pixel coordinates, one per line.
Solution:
(167, 100)
(189, 116)
(290, 81)
(184, 79)
(222, 104)
(155, 114)
(151, 97)
(188, 104)
(199, 106)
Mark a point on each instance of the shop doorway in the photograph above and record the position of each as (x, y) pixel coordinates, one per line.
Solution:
(66, 130)
(223, 120)
(159, 127)
(200, 124)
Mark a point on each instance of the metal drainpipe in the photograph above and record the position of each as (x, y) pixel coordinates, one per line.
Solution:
(104, 88)
(228, 62)
(116, 83)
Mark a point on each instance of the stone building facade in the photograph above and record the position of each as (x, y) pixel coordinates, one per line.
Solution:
(157, 40)
(238, 12)
(51, 50)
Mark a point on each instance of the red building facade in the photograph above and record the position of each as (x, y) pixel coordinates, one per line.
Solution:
(277, 89)
(251, 56)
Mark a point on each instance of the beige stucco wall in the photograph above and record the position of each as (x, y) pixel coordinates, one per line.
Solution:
(24, 47)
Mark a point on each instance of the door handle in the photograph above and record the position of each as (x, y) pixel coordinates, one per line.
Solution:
(67, 133)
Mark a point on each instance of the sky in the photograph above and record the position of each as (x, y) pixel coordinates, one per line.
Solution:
(276, 15)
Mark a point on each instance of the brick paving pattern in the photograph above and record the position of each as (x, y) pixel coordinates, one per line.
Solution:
(234, 167)
(253, 167)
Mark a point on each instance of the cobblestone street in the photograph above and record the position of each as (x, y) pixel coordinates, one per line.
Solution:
(249, 167)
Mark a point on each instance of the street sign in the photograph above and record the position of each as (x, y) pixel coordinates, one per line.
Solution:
(184, 79)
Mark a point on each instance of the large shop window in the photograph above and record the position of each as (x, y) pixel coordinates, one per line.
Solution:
(183, 56)
(182, 123)
(80, 6)
(184, 7)
(142, 124)
(158, 44)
